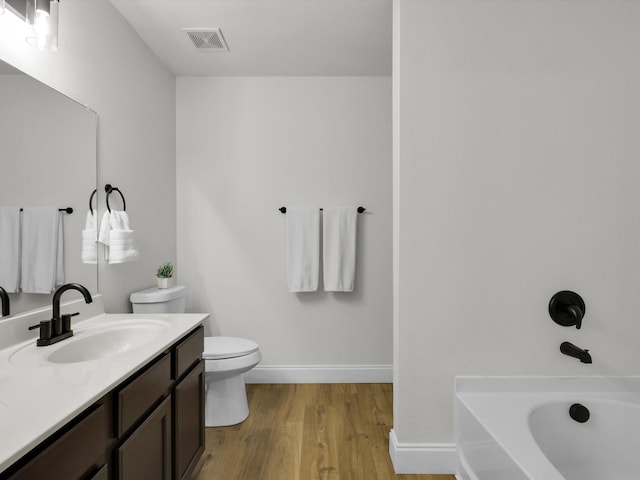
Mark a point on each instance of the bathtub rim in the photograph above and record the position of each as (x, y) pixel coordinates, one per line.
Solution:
(509, 398)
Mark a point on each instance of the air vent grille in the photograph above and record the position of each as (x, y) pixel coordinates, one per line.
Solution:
(207, 39)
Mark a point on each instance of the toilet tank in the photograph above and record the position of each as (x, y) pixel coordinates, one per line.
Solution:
(160, 300)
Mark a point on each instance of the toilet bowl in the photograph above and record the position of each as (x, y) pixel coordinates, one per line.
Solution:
(226, 360)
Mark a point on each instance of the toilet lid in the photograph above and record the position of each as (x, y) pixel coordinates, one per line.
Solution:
(227, 347)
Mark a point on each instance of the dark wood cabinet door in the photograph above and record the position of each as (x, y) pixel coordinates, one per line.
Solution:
(102, 474)
(72, 456)
(188, 417)
(146, 454)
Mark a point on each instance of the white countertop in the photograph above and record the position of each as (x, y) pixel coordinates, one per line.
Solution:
(38, 398)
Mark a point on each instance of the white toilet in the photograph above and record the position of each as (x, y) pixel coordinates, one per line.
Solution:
(226, 359)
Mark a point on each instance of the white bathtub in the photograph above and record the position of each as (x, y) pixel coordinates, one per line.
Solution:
(519, 428)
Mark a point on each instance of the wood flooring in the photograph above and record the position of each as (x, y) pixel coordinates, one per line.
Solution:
(307, 432)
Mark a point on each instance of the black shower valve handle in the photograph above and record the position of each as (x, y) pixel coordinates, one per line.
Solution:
(567, 308)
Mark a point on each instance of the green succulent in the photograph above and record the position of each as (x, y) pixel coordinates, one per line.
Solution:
(165, 270)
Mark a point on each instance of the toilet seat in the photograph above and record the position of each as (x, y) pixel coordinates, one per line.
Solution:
(217, 348)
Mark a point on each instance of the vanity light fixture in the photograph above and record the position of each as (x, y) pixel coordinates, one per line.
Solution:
(42, 16)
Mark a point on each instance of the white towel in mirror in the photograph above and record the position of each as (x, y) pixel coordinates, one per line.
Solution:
(42, 258)
(10, 248)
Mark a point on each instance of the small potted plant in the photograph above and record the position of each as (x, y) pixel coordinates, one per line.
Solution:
(164, 274)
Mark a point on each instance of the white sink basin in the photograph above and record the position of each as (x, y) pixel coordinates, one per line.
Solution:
(92, 343)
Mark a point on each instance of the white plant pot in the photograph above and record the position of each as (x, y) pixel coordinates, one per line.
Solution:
(164, 282)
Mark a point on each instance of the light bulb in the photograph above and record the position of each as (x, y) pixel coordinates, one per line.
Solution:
(42, 15)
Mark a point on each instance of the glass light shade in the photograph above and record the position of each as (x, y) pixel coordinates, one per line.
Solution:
(1, 7)
(42, 15)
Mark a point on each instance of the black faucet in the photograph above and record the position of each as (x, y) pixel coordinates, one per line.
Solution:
(570, 349)
(5, 302)
(59, 327)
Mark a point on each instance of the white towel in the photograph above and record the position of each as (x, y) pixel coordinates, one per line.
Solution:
(118, 238)
(303, 248)
(10, 248)
(339, 248)
(89, 240)
(42, 265)
(103, 234)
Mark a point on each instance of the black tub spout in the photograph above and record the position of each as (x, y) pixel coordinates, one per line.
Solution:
(570, 349)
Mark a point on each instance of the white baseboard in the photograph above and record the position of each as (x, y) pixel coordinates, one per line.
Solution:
(422, 458)
(320, 374)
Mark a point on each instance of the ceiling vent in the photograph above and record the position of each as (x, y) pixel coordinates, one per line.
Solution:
(209, 39)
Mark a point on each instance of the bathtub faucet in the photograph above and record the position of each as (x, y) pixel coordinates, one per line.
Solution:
(570, 349)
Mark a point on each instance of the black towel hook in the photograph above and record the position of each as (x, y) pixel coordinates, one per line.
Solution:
(95, 190)
(109, 189)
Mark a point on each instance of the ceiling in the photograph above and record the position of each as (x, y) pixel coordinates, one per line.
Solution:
(268, 37)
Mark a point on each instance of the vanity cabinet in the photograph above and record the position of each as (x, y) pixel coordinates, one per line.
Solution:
(150, 427)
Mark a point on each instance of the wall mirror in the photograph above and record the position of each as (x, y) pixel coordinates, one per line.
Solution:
(48, 157)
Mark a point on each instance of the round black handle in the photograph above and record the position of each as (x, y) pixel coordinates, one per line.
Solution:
(567, 309)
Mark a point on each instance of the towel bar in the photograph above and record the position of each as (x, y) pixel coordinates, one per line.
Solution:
(66, 210)
(284, 209)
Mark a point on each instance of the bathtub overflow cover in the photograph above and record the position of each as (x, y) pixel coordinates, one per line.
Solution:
(579, 412)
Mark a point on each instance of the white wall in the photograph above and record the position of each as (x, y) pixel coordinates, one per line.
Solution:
(517, 168)
(247, 146)
(102, 63)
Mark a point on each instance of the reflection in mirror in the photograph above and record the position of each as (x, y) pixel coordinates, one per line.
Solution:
(47, 158)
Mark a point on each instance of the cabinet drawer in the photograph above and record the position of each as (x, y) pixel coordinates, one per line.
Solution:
(188, 352)
(74, 454)
(142, 393)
